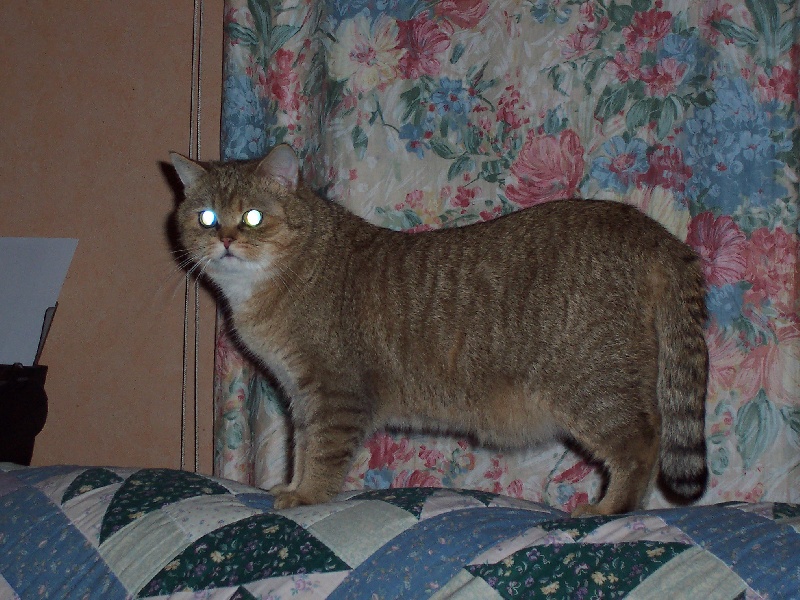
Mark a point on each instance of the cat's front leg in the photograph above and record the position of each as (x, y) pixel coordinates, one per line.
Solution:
(298, 449)
(324, 450)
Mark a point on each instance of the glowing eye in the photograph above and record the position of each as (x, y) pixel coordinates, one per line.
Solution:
(207, 218)
(252, 218)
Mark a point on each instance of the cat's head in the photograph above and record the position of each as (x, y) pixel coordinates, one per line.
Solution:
(233, 220)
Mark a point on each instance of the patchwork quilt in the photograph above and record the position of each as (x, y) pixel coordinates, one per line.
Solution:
(89, 532)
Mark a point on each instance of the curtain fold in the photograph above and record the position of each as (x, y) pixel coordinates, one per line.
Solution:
(425, 114)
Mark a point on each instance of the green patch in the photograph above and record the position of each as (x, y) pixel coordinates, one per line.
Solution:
(409, 499)
(148, 490)
(258, 547)
(242, 594)
(577, 528)
(485, 498)
(781, 510)
(577, 570)
(89, 480)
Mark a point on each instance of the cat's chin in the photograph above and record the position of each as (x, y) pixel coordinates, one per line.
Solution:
(231, 265)
(231, 259)
(233, 270)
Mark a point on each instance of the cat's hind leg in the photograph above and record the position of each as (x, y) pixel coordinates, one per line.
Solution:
(630, 455)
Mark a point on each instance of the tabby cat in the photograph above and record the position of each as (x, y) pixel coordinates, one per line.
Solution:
(573, 319)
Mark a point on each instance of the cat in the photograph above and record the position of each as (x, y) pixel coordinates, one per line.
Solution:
(574, 319)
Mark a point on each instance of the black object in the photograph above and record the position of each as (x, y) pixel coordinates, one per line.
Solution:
(23, 411)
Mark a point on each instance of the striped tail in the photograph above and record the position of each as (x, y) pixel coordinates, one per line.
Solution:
(682, 380)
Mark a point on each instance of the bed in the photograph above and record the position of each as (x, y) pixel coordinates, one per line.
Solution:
(92, 532)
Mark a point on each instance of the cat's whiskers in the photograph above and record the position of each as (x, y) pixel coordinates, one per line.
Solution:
(176, 269)
(186, 256)
(201, 264)
(297, 277)
(172, 281)
(182, 253)
(279, 273)
(286, 286)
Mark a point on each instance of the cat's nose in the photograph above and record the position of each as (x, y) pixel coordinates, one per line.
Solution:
(227, 242)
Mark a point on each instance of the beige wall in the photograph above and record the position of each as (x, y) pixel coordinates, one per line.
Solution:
(93, 94)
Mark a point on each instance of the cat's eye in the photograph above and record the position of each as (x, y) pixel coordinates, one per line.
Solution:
(207, 218)
(252, 218)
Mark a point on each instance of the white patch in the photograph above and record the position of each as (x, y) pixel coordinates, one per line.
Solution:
(236, 286)
(235, 276)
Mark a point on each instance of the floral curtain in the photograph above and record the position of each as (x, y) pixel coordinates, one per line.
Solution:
(418, 114)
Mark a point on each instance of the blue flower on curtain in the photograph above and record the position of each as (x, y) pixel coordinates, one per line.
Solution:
(402, 10)
(624, 165)
(415, 135)
(725, 303)
(243, 132)
(733, 149)
(687, 50)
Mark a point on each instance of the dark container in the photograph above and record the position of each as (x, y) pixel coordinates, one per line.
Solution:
(23, 411)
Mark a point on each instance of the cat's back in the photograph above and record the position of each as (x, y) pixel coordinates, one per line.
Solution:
(573, 223)
(562, 236)
(576, 264)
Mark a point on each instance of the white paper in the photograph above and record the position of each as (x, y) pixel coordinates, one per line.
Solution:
(32, 271)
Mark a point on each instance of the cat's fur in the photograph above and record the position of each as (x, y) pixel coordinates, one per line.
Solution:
(576, 319)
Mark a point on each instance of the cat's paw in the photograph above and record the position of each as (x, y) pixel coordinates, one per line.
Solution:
(281, 488)
(586, 510)
(286, 497)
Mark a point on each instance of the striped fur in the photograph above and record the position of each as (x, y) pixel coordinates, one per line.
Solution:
(573, 319)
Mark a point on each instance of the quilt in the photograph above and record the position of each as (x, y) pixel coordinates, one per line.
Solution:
(104, 532)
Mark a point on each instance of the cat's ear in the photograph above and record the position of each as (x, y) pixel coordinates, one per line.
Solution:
(188, 170)
(281, 164)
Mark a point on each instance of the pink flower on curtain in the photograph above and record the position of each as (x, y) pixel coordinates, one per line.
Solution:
(771, 259)
(497, 470)
(465, 196)
(725, 359)
(413, 200)
(463, 13)
(283, 81)
(587, 34)
(781, 84)
(423, 39)
(226, 356)
(721, 246)
(416, 478)
(663, 79)
(580, 42)
(515, 489)
(773, 367)
(667, 169)
(625, 66)
(647, 29)
(711, 12)
(577, 472)
(494, 212)
(509, 110)
(385, 452)
(547, 168)
(575, 501)
(431, 457)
